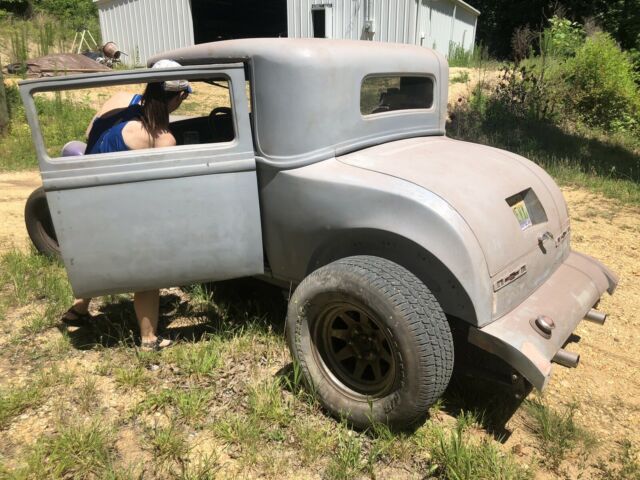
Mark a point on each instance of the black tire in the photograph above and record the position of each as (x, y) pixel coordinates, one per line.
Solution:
(39, 224)
(368, 310)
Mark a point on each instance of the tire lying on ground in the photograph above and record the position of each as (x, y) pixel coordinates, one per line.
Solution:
(371, 340)
(39, 225)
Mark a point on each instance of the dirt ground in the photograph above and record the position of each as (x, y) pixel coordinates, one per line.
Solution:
(606, 384)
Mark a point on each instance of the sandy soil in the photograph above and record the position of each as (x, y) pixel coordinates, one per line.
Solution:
(606, 385)
(15, 187)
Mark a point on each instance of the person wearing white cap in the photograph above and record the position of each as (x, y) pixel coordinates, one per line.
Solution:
(132, 122)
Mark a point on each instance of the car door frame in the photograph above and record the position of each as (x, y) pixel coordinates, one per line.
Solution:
(222, 172)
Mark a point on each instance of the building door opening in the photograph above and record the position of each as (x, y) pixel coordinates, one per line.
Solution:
(215, 20)
(322, 21)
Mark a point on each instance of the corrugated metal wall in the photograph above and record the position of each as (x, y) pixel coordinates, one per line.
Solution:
(142, 28)
(464, 30)
(429, 23)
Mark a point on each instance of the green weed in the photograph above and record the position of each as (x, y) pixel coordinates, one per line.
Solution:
(457, 455)
(29, 278)
(130, 377)
(61, 120)
(190, 403)
(470, 58)
(75, 451)
(240, 430)
(348, 458)
(16, 400)
(201, 359)
(557, 432)
(267, 403)
(314, 439)
(205, 467)
(624, 464)
(462, 77)
(168, 442)
(87, 395)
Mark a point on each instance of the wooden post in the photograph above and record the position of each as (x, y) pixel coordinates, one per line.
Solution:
(4, 111)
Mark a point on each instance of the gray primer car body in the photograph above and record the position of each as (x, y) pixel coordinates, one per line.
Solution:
(309, 179)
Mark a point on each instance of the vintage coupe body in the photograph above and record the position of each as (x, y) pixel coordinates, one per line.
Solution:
(337, 181)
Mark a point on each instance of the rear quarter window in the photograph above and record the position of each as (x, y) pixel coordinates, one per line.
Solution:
(386, 93)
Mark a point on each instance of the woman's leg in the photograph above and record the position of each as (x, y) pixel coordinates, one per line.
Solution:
(78, 310)
(147, 307)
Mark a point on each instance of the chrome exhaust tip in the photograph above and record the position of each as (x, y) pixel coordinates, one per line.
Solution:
(595, 316)
(566, 359)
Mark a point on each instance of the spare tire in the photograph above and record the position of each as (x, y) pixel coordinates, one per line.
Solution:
(39, 224)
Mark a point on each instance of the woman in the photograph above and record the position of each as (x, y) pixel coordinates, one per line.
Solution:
(127, 122)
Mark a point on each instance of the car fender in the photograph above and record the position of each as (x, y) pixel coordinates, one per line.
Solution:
(324, 211)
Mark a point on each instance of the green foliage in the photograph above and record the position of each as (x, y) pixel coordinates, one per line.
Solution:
(562, 38)
(624, 464)
(458, 455)
(461, 57)
(600, 86)
(75, 451)
(78, 11)
(557, 432)
(61, 120)
(28, 278)
(525, 92)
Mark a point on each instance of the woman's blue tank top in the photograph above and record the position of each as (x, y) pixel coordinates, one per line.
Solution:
(106, 133)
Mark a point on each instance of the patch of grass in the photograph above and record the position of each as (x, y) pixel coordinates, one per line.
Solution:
(267, 404)
(190, 403)
(16, 400)
(348, 459)
(314, 439)
(462, 77)
(460, 57)
(75, 451)
(624, 464)
(457, 455)
(168, 442)
(87, 395)
(201, 359)
(556, 431)
(29, 278)
(242, 431)
(61, 120)
(130, 377)
(205, 467)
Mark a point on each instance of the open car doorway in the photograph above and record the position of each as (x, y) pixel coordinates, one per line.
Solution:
(215, 20)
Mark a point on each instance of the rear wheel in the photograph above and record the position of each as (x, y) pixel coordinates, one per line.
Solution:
(371, 340)
(39, 224)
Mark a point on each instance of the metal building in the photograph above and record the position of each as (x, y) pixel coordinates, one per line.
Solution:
(142, 28)
(438, 24)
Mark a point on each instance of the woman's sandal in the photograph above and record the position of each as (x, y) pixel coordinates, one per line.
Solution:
(158, 344)
(73, 316)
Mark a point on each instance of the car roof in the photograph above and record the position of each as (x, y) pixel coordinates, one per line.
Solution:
(306, 92)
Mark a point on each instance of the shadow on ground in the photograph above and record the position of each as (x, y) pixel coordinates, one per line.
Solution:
(225, 308)
(221, 308)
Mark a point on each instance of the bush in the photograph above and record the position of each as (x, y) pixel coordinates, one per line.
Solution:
(562, 38)
(600, 86)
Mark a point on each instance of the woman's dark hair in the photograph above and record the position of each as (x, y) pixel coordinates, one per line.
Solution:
(155, 110)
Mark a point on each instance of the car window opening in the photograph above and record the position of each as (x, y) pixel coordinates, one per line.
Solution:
(205, 116)
(388, 93)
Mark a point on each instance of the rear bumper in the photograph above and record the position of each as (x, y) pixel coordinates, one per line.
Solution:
(566, 297)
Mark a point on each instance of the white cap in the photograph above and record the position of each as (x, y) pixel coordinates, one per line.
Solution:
(173, 85)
